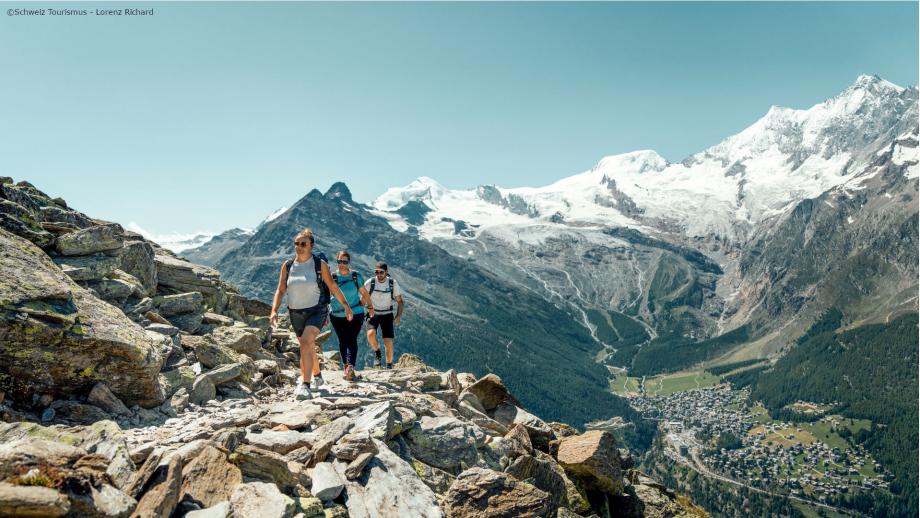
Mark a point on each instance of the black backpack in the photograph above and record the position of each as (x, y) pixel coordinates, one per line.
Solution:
(318, 267)
(374, 285)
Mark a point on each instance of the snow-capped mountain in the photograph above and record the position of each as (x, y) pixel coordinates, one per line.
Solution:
(724, 191)
(675, 246)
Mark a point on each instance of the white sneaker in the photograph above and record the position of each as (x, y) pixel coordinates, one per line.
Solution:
(317, 383)
(301, 391)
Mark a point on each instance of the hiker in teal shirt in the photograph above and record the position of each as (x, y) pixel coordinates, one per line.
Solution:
(352, 285)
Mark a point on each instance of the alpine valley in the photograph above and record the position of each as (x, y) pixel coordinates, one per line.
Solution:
(747, 316)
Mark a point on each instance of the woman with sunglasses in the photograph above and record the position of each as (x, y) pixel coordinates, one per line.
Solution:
(352, 285)
(300, 279)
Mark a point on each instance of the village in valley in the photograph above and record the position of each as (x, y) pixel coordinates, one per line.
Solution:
(720, 433)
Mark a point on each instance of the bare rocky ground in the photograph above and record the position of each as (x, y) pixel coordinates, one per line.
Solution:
(134, 383)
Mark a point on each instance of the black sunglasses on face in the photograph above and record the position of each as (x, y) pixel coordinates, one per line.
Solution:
(342, 261)
(301, 243)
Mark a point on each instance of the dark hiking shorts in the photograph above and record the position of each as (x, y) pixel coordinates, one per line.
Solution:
(301, 318)
(384, 322)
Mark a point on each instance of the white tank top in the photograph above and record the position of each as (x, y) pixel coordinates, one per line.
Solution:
(302, 291)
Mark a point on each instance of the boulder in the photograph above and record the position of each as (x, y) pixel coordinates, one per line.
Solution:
(411, 361)
(356, 467)
(490, 391)
(182, 276)
(377, 419)
(518, 441)
(267, 465)
(137, 260)
(593, 459)
(103, 398)
(90, 240)
(225, 373)
(541, 474)
(170, 305)
(445, 442)
(209, 478)
(260, 500)
(162, 490)
(32, 501)
(175, 379)
(327, 482)
(279, 441)
(236, 339)
(388, 488)
(58, 339)
(188, 322)
(540, 433)
(353, 445)
(87, 267)
(104, 501)
(219, 510)
(203, 390)
(480, 492)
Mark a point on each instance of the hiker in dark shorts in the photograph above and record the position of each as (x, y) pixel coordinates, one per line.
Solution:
(307, 282)
(385, 294)
(352, 285)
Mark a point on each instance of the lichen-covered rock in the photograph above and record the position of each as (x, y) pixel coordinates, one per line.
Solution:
(479, 492)
(87, 267)
(99, 238)
(236, 339)
(445, 442)
(58, 339)
(209, 478)
(137, 260)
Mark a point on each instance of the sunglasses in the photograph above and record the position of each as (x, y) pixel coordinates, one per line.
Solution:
(301, 243)
(342, 261)
(379, 272)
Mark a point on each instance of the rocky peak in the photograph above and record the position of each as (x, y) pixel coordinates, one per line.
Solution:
(339, 191)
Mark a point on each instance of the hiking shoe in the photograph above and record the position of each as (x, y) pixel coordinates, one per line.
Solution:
(349, 372)
(390, 366)
(377, 363)
(302, 391)
(317, 383)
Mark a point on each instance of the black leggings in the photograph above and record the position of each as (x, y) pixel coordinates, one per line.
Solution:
(347, 333)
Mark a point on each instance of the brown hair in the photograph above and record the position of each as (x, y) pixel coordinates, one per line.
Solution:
(307, 233)
(343, 252)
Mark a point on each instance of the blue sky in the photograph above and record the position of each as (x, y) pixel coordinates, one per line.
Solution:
(210, 116)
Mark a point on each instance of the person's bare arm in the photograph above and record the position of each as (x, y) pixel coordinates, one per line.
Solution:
(279, 295)
(335, 290)
(399, 309)
(366, 300)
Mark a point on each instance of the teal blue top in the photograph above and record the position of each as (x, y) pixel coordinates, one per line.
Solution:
(350, 290)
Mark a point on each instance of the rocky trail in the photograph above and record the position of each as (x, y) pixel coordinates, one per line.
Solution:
(135, 383)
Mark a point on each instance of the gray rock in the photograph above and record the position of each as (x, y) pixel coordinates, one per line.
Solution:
(203, 390)
(31, 501)
(221, 510)
(163, 329)
(225, 373)
(279, 442)
(327, 482)
(87, 268)
(51, 321)
(487, 493)
(260, 500)
(137, 260)
(90, 240)
(352, 445)
(445, 442)
(103, 398)
(170, 305)
(389, 488)
(540, 433)
(376, 419)
(237, 339)
(188, 322)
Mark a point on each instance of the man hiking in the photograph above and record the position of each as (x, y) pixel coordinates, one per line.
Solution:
(385, 297)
